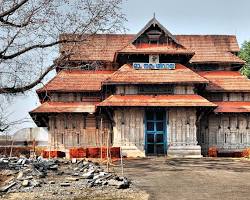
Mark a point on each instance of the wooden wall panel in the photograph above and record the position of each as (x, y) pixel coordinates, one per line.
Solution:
(227, 132)
(129, 128)
(178, 89)
(182, 126)
(183, 89)
(75, 134)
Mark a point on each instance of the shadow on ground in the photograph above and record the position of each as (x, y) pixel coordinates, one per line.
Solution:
(205, 178)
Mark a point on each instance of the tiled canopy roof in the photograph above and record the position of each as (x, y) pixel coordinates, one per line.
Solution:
(207, 48)
(215, 57)
(97, 47)
(231, 81)
(209, 43)
(126, 74)
(153, 49)
(232, 107)
(158, 100)
(76, 80)
(65, 107)
(211, 48)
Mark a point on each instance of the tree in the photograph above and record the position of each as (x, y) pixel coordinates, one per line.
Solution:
(29, 38)
(29, 33)
(245, 55)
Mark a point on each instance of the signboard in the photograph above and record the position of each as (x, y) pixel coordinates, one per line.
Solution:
(154, 65)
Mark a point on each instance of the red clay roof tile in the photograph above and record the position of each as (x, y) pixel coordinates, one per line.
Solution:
(65, 107)
(76, 80)
(231, 81)
(182, 74)
(207, 48)
(211, 48)
(153, 49)
(232, 107)
(158, 100)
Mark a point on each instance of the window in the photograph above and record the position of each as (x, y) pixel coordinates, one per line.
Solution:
(214, 96)
(243, 96)
(59, 96)
(156, 89)
(154, 36)
(75, 96)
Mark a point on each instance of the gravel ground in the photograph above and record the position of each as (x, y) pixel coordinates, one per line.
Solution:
(191, 179)
(77, 187)
(160, 177)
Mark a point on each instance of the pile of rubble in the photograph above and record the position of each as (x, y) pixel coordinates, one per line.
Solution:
(24, 175)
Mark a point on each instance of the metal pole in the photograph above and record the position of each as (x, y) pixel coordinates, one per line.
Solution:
(121, 161)
(108, 151)
(101, 137)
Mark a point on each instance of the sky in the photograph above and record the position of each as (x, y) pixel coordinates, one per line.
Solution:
(179, 17)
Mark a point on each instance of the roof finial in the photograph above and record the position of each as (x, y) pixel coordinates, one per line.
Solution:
(154, 15)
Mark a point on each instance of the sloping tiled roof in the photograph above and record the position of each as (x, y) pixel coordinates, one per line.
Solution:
(153, 49)
(97, 47)
(158, 100)
(232, 107)
(207, 48)
(65, 107)
(127, 75)
(76, 80)
(208, 42)
(211, 48)
(215, 57)
(231, 81)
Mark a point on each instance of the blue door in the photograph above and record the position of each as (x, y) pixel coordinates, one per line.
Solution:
(155, 132)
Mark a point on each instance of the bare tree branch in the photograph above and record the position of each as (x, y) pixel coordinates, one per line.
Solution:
(37, 46)
(6, 22)
(30, 32)
(13, 8)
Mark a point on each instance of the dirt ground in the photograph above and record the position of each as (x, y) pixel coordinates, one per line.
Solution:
(196, 179)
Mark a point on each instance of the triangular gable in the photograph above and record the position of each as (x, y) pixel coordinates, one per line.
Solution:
(154, 22)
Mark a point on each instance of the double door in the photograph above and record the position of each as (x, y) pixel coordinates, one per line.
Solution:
(155, 132)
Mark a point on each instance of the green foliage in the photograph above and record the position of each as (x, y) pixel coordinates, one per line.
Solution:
(245, 55)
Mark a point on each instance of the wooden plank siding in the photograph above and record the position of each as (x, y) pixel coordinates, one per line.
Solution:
(178, 89)
(181, 126)
(77, 130)
(227, 132)
(75, 97)
(227, 96)
(129, 128)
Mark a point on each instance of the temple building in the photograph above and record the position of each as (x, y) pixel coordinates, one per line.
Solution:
(152, 93)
